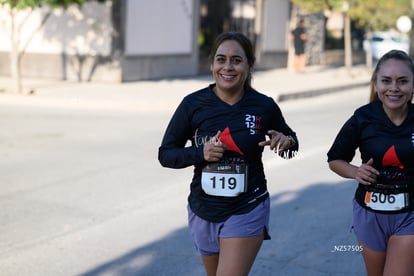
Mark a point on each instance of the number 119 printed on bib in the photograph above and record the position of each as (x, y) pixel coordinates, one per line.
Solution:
(227, 180)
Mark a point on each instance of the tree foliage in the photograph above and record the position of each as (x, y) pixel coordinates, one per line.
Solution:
(24, 4)
(378, 14)
(369, 14)
(318, 5)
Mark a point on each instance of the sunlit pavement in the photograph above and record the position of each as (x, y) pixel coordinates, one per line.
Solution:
(82, 192)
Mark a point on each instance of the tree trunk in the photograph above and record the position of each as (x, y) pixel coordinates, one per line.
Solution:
(348, 46)
(15, 71)
(15, 56)
(18, 48)
(258, 29)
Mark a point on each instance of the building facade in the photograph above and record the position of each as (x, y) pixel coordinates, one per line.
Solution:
(130, 40)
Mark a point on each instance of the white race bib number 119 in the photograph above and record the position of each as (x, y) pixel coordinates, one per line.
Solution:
(228, 180)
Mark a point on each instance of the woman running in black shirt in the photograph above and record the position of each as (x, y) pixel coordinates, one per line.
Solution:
(227, 124)
(383, 130)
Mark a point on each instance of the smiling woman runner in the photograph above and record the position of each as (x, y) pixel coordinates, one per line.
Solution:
(383, 130)
(227, 124)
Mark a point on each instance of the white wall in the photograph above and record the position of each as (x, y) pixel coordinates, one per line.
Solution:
(71, 31)
(276, 25)
(159, 27)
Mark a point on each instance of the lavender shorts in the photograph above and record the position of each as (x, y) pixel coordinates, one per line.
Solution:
(374, 229)
(206, 235)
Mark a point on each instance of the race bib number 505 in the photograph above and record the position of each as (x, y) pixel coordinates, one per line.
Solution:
(228, 180)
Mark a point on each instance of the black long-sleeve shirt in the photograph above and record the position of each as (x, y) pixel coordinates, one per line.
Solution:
(198, 118)
(377, 137)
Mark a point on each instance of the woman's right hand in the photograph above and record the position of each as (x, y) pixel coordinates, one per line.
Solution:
(214, 149)
(366, 174)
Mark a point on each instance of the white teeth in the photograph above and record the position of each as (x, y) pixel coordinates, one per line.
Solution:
(393, 97)
(227, 77)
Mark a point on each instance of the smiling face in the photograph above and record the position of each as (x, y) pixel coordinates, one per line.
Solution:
(394, 85)
(230, 67)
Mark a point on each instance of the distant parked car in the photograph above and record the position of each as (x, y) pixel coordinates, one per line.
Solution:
(382, 42)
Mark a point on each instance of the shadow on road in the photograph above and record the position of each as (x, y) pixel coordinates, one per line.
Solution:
(311, 235)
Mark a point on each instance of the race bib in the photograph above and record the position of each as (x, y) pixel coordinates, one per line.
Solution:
(228, 180)
(386, 202)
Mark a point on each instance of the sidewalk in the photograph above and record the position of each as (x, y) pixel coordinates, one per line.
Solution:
(319, 80)
(280, 84)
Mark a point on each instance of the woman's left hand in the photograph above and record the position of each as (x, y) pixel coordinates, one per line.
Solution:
(278, 141)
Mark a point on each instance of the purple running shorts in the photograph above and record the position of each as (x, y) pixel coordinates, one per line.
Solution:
(374, 229)
(206, 235)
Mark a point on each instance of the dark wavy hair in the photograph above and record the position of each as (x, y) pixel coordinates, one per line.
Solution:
(246, 45)
(393, 54)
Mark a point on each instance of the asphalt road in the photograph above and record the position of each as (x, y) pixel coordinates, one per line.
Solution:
(82, 193)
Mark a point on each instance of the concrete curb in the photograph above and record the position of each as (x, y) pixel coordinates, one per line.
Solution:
(318, 92)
